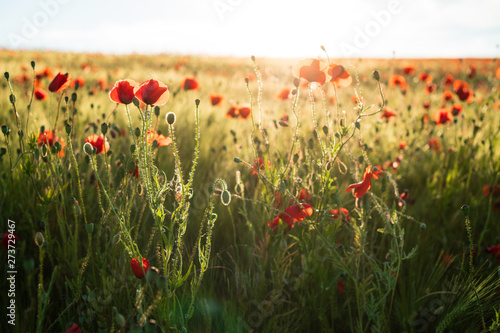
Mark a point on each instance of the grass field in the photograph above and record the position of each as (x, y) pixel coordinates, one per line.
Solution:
(370, 203)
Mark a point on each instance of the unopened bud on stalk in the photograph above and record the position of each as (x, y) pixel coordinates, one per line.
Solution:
(32, 64)
(132, 148)
(237, 160)
(197, 102)
(90, 228)
(137, 132)
(6, 74)
(74, 97)
(88, 149)
(225, 197)
(293, 91)
(104, 128)
(39, 239)
(296, 82)
(170, 118)
(253, 58)
(136, 102)
(157, 111)
(465, 210)
(247, 80)
(120, 319)
(376, 75)
(68, 129)
(152, 274)
(12, 98)
(66, 99)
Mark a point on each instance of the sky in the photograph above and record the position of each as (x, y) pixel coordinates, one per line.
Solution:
(264, 28)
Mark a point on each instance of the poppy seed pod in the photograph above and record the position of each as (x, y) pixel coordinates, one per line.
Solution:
(32, 64)
(170, 118)
(88, 149)
(376, 75)
(137, 132)
(6, 74)
(39, 239)
(197, 102)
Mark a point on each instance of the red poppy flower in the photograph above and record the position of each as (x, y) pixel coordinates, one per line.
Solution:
(242, 112)
(447, 96)
(48, 138)
(80, 80)
(123, 91)
(462, 90)
(442, 116)
(162, 140)
(493, 189)
(305, 196)
(448, 80)
(429, 88)
(402, 145)
(259, 165)
(495, 251)
(456, 109)
(340, 77)
(135, 172)
(139, 271)
(409, 69)
(377, 171)
(6, 238)
(41, 94)
(283, 94)
(311, 70)
(336, 213)
(189, 83)
(340, 286)
(74, 329)
(434, 144)
(472, 72)
(60, 82)
(216, 99)
(398, 80)
(425, 77)
(292, 214)
(47, 72)
(427, 105)
(388, 113)
(362, 187)
(403, 198)
(102, 83)
(99, 142)
(152, 92)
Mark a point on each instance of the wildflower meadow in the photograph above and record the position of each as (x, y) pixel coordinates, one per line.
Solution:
(164, 193)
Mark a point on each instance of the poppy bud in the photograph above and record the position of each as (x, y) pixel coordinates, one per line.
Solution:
(152, 274)
(39, 239)
(6, 74)
(423, 226)
(131, 166)
(170, 118)
(157, 111)
(237, 160)
(296, 82)
(90, 228)
(155, 144)
(36, 153)
(12, 98)
(68, 129)
(293, 91)
(104, 128)
(32, 64)
(66, 99)
(161, 282)
(120, 320)
(247, 80)
(197, 102)
(376, 75)
(325, 130)
(357, 124)
(225, 197)
(323, 48)
(137, 132)
(136, 102)
(132, 148)
(74, 96)
(58, 146)
(53, 150)
(44, 150)
(88, 149)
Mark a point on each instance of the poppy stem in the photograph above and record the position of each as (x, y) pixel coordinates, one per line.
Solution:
(57, 112)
